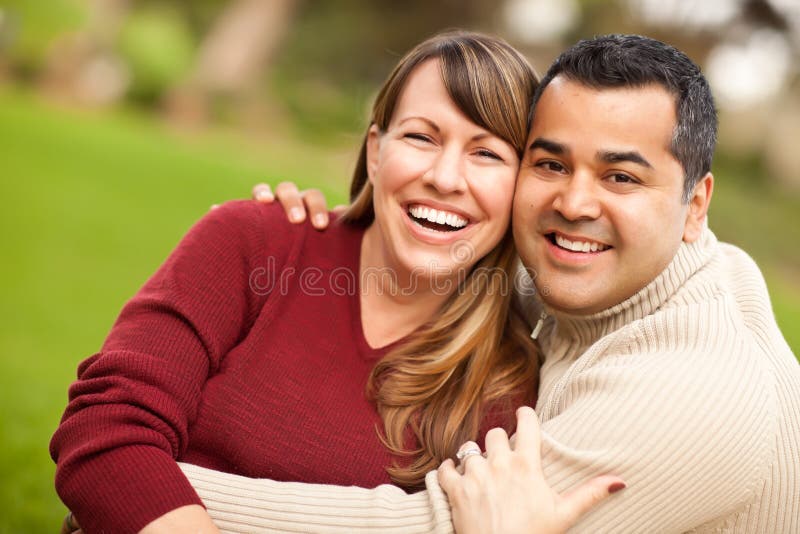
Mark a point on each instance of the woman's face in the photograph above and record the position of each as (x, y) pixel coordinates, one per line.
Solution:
(443, 186)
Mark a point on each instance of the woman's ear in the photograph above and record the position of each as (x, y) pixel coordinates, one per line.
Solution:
(373, 152)
(698, 208)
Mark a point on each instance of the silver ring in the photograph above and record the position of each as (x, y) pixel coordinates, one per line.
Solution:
(466, 453)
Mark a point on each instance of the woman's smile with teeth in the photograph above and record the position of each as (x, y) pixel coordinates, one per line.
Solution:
(436, 219)
(578, 246)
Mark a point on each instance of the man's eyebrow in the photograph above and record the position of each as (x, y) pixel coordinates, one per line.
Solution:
(550, 146)
(632, 156)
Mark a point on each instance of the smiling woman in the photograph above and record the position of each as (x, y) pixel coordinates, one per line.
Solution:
(425, 157)
(206, 368)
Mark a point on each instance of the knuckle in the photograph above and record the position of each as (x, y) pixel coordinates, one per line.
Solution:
(521, 463)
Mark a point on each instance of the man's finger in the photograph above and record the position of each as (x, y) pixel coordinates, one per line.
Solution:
(317, 208)
(580, 500)
(263, 193)
(289, 197)
(339, 209)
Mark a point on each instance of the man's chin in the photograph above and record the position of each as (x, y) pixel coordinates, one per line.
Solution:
(572, 303)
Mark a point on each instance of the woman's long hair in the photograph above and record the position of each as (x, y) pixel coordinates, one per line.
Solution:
(435, 389)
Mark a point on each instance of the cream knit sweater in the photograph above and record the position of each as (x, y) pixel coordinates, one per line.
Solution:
(687, 390)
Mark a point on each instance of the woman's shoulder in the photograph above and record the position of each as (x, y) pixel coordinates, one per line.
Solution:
(249, 213)
(253, 224)
(264, 231)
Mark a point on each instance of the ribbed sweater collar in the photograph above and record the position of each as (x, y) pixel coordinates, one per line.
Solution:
(586, 329)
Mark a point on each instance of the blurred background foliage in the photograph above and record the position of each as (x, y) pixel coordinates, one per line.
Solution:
(122, 121)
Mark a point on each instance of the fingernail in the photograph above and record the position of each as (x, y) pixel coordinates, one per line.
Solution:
(320, 219)
(214, 206)
(616, 486)
(296, 214)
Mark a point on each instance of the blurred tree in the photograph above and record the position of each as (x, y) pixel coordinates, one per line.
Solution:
(158, 46)
(338, 51)
(232, 56)
(83, 65)
(28, 28)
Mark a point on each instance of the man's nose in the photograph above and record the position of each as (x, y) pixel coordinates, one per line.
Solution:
(578, 198)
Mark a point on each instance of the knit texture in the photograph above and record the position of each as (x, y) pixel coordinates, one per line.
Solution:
(687, 390)
(244, 353)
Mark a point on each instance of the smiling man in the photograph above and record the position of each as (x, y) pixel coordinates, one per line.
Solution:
(599, 209)
(662, 359)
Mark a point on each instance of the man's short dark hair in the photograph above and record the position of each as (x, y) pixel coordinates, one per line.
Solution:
(613, 61)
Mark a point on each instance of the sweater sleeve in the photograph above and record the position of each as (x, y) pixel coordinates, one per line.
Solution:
(129, 411)
(693, 441)
(245, 505)
(690, 432)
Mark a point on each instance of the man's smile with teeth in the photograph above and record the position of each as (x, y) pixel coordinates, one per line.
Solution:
(434, 219)
(576, 246)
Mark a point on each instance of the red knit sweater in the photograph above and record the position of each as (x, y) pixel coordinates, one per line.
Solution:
(243, 353)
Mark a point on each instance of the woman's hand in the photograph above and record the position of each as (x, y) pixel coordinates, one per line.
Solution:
(191, 519)
(70, 525)
(506, 492)
(297, 204)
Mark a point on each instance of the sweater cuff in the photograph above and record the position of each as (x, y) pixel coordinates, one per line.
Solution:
(440, 506)
(124, 489)
(239, 504)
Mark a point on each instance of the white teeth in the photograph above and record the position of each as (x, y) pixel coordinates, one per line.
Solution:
(437, 216)
(579, 246)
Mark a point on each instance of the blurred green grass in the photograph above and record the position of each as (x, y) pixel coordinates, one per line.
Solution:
(91, 205)
(94, 202)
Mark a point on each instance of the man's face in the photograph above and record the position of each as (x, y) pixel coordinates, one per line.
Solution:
(598, 211)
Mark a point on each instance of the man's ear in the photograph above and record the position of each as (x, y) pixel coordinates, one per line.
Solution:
(698, 208)
(373, 151)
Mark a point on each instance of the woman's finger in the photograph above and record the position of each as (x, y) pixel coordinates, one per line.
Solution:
(317, 208)
(289, 197)
(70, 525)
(497, 442)
(448, 477)
(580, 500)
(263, 193)
(468, 451)
(528, 437)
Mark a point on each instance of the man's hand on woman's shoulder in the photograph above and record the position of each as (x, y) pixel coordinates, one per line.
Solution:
(297, 204)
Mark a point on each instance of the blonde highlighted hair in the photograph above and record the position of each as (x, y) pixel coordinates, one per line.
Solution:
(438, 386)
